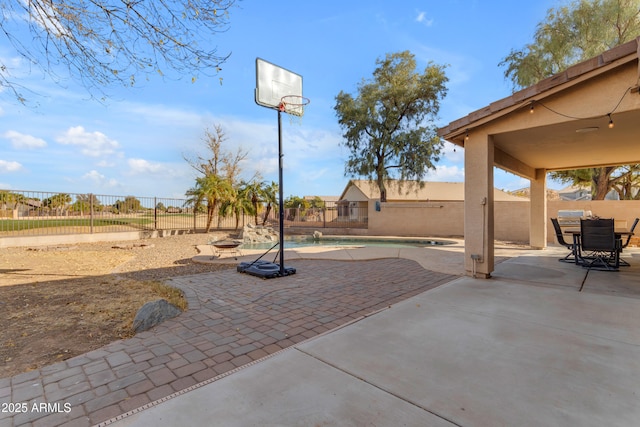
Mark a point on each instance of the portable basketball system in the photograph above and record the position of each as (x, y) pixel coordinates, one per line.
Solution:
(279, 89)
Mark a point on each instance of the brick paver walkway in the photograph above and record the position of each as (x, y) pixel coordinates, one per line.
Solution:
(233, 319)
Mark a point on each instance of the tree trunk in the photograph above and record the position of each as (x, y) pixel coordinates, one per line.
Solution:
(211, 209)
(266, 214)
(600, 180)
(382, 188)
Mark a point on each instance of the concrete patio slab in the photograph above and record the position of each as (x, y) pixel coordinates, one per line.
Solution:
(482, 363)
(624, 283)
(311, 393)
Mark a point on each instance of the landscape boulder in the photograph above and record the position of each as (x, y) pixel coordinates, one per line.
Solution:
(258, 234)
(153, 313)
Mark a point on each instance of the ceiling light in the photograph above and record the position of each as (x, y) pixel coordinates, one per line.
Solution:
(589, 129)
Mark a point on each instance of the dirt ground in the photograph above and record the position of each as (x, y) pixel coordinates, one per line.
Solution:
(59, 302)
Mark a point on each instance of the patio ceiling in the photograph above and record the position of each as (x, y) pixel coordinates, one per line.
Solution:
(570, 125)
(576, 144)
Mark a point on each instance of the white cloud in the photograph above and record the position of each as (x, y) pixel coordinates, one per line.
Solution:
(6, 167)
(100, 179)
(141, 166)
(105, 164)
(444, 173)
(422, 18)
(153, 113)
(93, 144)
(452, 153)
(94, 175)
(22, 141)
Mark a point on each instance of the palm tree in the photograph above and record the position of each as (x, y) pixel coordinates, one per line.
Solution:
(58, 202)
(211, 189)
(253, 192)
(235, 206)
(271, 198)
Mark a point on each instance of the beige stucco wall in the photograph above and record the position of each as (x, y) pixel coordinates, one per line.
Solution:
(446, 219)
(417, 219)
(623, 211)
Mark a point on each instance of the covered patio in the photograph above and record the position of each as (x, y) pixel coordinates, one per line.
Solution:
(587, 116)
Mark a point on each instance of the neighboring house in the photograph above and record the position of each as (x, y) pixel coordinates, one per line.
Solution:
(329, 201)
(358, 193)
(575, 193)
(525, 192)
(26, 208)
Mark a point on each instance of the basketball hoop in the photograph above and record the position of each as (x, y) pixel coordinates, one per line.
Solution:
(294, 106)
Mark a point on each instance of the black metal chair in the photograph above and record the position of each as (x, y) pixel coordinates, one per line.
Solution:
(571, 255)
(626, 243)
(598, 238)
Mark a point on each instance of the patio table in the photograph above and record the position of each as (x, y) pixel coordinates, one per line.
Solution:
(576, 241)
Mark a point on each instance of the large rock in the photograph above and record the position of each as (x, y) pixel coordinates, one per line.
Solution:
(153, 313)
(258, 234)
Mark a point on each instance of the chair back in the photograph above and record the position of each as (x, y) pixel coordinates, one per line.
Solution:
(559, 237)
(597, 235)
(633, 227)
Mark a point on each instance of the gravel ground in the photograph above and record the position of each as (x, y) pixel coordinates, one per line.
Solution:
(148, 259)
(163, 257)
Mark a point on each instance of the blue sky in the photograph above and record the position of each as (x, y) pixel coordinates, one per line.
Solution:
(134, 143)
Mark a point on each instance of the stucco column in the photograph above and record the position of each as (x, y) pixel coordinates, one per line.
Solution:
(478, 205)
(538, 211)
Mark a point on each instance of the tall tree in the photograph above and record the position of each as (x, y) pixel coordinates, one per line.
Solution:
(254, 193)
(389, 125)
(271, 199)
(571, 33)
(219, 171)
(233, 205)
(210, 190)
(100, 42)
(58, 202)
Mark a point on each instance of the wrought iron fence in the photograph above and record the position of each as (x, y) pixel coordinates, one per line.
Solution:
(46, 213)
(43, 213)
(328, 217)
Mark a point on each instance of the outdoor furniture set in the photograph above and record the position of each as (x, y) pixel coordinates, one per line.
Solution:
(597, 244)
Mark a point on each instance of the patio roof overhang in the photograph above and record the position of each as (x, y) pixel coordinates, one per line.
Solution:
(563, 122)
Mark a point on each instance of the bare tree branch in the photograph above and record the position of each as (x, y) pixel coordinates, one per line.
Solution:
(101, 42)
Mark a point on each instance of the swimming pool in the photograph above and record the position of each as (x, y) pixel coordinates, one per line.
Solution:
(292, 242)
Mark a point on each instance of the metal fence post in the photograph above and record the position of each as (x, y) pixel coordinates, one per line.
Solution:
(155, 213)
(90, 213)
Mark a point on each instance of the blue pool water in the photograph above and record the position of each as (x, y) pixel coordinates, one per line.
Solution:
(292, 242)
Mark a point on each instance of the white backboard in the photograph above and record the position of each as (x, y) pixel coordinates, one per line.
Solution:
(274, 82)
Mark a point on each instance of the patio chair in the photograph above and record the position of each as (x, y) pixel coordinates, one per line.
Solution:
(626, 243)
(571, 255)
(598, 238)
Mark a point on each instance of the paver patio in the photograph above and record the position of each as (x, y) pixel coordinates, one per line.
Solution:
(233, 320)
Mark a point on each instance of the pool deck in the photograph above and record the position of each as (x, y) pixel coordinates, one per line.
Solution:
(441, 258)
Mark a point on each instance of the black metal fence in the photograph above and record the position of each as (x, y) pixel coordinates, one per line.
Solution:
(45, 213)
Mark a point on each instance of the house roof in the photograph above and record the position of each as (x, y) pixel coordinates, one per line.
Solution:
(569, 129)
(324, 198)
(410, 191)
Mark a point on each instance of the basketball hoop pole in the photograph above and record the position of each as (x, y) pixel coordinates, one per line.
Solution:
(280, 192)
(274, 87)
